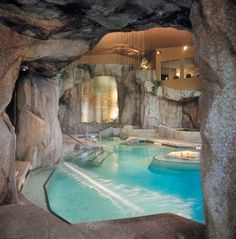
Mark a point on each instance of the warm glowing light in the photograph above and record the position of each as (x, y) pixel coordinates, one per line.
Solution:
(178, 72)
(158, 52)
(24, 68)
(100, 100)
(144, 64)
(185, 48)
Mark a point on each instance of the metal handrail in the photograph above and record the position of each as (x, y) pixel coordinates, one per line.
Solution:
(74, 138)
(160, 122)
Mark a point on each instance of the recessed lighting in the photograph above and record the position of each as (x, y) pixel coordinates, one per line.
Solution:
(185, 48)
(24, 68)
(158, 52)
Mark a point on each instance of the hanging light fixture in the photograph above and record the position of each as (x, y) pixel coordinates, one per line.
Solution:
(144, 64)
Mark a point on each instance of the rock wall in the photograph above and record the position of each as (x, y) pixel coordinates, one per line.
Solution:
(128, 92)
(167, 106)
(191, 114)
(215, 38)
(187, 136)
(39, 137)
(137, 105)
(10, 63)
(129, 96)
(70, 110)
(7, 158)
(40, 57)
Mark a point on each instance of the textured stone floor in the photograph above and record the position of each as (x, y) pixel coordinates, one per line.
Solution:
(27, 221)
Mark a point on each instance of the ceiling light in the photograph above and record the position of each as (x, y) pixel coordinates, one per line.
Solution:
(158, 52)
(144, 64)
(185, 48)
(24, 68)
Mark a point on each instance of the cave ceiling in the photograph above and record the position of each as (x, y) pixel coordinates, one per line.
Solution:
(86, 22)
(83, 19)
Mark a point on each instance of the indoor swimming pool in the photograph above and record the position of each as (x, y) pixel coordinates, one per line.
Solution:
(126, 184)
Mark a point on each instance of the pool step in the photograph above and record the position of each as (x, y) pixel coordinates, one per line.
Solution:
(94, 157)
(100, 158)
(74, 153)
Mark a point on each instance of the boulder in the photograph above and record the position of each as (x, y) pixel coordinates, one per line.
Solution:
(126, 131)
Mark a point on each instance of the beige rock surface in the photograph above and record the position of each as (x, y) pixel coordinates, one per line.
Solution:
(187, 155)
(39, 137)
(215, 38)
(126, 131)
(15, 49)
(214, 25)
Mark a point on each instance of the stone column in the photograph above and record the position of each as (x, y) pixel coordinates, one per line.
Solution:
(9, 68)
(39, 137)
(214, 24)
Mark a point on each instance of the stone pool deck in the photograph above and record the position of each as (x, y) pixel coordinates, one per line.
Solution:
(69, 143)
(27, 221)
(167, 142)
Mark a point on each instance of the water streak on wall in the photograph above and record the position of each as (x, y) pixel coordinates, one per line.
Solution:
(99, 101)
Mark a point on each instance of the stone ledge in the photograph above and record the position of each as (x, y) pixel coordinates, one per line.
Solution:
(29, 221)
(22, 168)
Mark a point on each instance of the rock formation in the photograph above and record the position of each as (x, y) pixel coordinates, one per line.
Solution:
(167, 106)
(19, 50)
(137, 104)
(39, 137)
(83, 23)
(191, 114)
(70, 111)
(9, 68)
(215, 37)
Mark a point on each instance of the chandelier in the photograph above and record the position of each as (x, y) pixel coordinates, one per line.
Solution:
(144, 64)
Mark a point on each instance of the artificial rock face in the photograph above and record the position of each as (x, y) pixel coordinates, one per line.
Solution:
(15, 50)
(39, 137)
(137, 104)
(215, 37)
(83, 23)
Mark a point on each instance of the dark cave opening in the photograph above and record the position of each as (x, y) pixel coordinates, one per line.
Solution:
(12, 108)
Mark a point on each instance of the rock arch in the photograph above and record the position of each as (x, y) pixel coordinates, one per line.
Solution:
(55, 30)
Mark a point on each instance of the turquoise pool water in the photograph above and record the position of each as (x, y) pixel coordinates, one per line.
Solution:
(127, 184)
